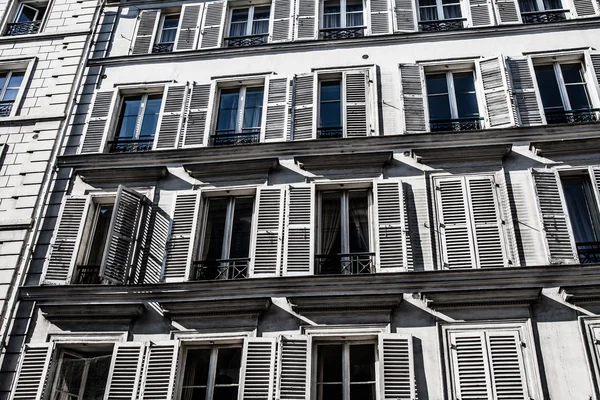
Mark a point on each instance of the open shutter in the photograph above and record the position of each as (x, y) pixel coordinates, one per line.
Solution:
(592, 61)
(306, 19)
(586, 8)
(508, 12)
(506, 364)
(171, 116)
(122, 236)
(67, 239)
(147, 26)
(277, 110)
(125, 371)
(396, 353)
(480, 13)
(413, 98)
(404, 14)
(259, 357)
(159, 371)
(32, 374)
(554, 218)
(198, 116)
(283, 12)
(304, 121)
(380, 12)
(595, 178)
(189, 27)
(98, 122)
(155, 230)
(180, 249)
(469, 362)
(300, 215)
(267, 232)
(498, 105)
(212, 25)
(391, 224)
(525, 91)
(356, 84)
(294, 368)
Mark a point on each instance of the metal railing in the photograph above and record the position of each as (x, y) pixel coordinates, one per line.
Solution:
(23, 28)
(342, 33)
(163, 48)
(589, 252)
(540, 17)
(233, 268)
(6, 108)
(345, 264)
(442, 25)
(246, 41)
(458, 124)
(130, 145)
(231, 138)
(87, 275)
(573, 116)
(330, 132)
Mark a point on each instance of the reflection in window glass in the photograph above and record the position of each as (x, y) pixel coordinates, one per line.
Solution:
(581, 204)
(562, 87)
(228, 111)
(253, 106)
(451, 95)
(169, 29)
(10, 84)
(129, 115)
(150, 117)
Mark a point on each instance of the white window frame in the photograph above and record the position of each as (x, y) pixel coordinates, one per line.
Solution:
(239, 121)
(20, 11)
(342, 13)
(92, 221)
(17, 65)
(8, 78)
(562, 86)
(250, 20)
(140, 116)
(452, 91)
(161, 26)
(440, 10)
(590, 332)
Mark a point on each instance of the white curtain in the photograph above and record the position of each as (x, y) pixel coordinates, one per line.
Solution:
(331, 21)
(354, 19)
(238, 29)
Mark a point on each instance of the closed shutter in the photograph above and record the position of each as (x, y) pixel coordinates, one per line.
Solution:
(125, 371)
(155, 231)
(171, 116)
(277, 110)
(356, 86)
(506, 363)
(259, 358)
(267, 232)
(498, 105)
(469, 363)
(67, 240)
(212, 25)
(189, 27)
(293, 368)
(299, 234)
(198, 116)
(396, 353)
(144, 37)
(560, 245)
(480, 12)
(391, 224)
(525, 91)
(380, 12)
(404, 14)
(98, 123)
(585, 8)
(508, 12)
(304, 121)
(32, 375)
(306, 19)
(283, 12)
(180, 249)
(159, 371)
(122, 235)
(413, 99)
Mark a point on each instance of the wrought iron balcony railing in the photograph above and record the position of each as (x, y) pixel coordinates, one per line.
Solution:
(233, 268)
(458, 124)
(442, 25)
(87, 275)
(230, 138)
(540, 17)
(246, 41)
(584, 116)
(589, 252)
(330, 132)
(163, 48)
(345, 264)
(23, 28)
(6, 108)
(342, 33)
(129, 145)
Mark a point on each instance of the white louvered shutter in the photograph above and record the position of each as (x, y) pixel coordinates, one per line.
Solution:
(212, 24)
(498, 104)
(304, 121)
(32, 376)
(144, 36)
(404, 15)
(198, 116)
(180, 249)
(480, 13)
(268, 232)
(259, 364)
(293, 368)
(122, 235)
(560, 244)
(391, 224)
(171, 116)
(277, 109)
(586, 8)
(283, 14)
(125, 371)
(471, 374)
(98, 124)
(506, 365)
(525, 91)
(381, 21)
(299, 233)
(356, 86)
(189, 27)
(595, 178)
(306, 19)
(592, 61)
(413, 98)
(508, 12)
(155, 231)
(159, 371)
(66, 241)
(396, 355)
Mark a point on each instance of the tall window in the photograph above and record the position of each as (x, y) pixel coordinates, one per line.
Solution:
(342, 19)
(137, 124)
(167, 34)
(345, 371)
(88, 272)
(435, 10)
(248, 26)
(81, 376)
(27, 20)
(212, 373)
(240, 116)
(330, 109)
(10, 84)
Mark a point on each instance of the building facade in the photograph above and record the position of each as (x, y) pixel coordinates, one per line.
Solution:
(330, 199)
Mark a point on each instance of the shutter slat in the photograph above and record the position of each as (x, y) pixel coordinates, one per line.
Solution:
(356, 84)
(584, 8)
(282, 20)
(183, 231)
(189, 26)
(506, 366)
(267, 243)
(470, 366)
(277, 110)
(404, 14)
(481, 14)
(299, 240)
(125, 371)
(32, 376)
(155, 230)
(508, 12)
(303, 104)
(380, 17)
(293, 380)
(495, 91)
(159, 371)
(214, 16)
(398, 367)
(144, 36)
(413, 99)
(259, 356)
(524, 88)
(171, 116)
(390, 224)
(97, 125)
(197, 117)
(306, 25)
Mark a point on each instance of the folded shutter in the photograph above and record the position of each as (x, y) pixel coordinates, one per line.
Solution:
(125, 371)
(98, 124)
(303, 102)
(560, 245)
(469, 363)
(259, 358)
(391, 224)
(159, 371)
(508, 12)
(592, 60)
(155, 230)
(405, 19)
(147, 26)
(299, 235)
(32, 375)
(380, 17)
(277, 110)
(498, 104)
(198, 116)
(122, 236)
(396, 353)
(356, 85)
(506, 363)
(595, 178)
(413, 98)
(267, 232)
(585, 8)
(480, 12)
(189, 27)
(293, 368)
(67, 240)
(212, 24)
(283, 12)
(180, 249)
(525, 91)
(306, 19)
(171, 115)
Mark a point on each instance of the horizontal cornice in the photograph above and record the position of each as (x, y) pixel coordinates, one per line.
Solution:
(37, 37)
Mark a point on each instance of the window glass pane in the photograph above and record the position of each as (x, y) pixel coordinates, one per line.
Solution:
(428, 13)
(451, 9)
(354, 13)
(436, 84)
(578, 97)
(253, 108)
(225, 393)
(358, 214)
(260, 24)
(553, 4)
(27, 14)
(331, 14)
(329, 360)
(466, 98)
(150, 118)
(215, 229)
(228, 110)
(581, 207)
(362, 363)
(239, 22)
(572, 73)
(330, 90)
(193, 393)
(70, 377)
(3, 77)
(97, 375)
(128, 117)
(330, 107)
(14, 84)
(100, 234)
(528, 5)
(169, 30)
(362, 391)
(197, 363)
(331, 238)
(330, 391)
(546, 79)
(241, 228)
(228, 367)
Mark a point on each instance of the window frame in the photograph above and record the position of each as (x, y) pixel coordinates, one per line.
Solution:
(20, 11)
(452, 91)
(162, 24)
(239, 121)
(541, 7)
(18, 65)
(144, 93)
(342, 13)
(92, 217)
(327, 78)
(439, 6)
(249, 20)
(562, 86)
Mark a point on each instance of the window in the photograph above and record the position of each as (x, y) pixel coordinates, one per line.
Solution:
(211, 373)
(166, 34)
(239, 119)
(28, 19)
(138, 120)
(10, 84)
(330, 109)
(440, 15)
(248, 26)
(342, 19)
(81, 375)
(536, 11)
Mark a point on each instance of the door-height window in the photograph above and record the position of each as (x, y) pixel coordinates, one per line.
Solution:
(239, 118)
(88, 271)
(342, 19)
(248, 26)
(330, 109)
(28, 18)
(539, 11)
(10, 85)
(166, 34)
(138, 120)
(440, 15)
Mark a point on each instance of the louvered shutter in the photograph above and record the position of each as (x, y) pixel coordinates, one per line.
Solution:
(380, 12)
(299, 234)
(277, 110)
(560, 245)
(212, 24)
(259, 364)
(404, 15)
(391, 224)
(595, 178)
(122, 235)
(147, 26)
(159, 371)
(293, 368)
(413, 99)
(469, 362)
(171, 116)
(506, 365)
(189, 27)
(592, 61)
(498, 105)
(585, 8)
(396, 354)
(356, 86)
(155, 231)
(304, 122)
(67, 239)
(480, 12)
(508, 12)
(283, 12)
(32, 375)
(198, 117)
(180, 249)
(525, 91)
(98, 123)
(267, 232)
(306, 19)
(125, 371)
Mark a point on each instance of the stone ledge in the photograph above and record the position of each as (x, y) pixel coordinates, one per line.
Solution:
(482, 297)
(91, 311)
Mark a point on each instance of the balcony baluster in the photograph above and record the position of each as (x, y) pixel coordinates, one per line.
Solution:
(442, 25)
(345, 263)
(23, 28)
(230, 269)
(342, 33)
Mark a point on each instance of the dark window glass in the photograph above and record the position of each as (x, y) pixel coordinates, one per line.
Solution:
(451, 9)
(85, 374)
(575, 85)
(528, 5)
(241, 228)
(548, 85)
(466, 97)
(582, 208)
(227, 376)
(13, 86)
(331, 14)
(195, 378)
(100, 234)
(28, 14)
(553, 4)
(169, 29)
(260, 23)
(129, 115)
(215, 229)
(239, 22)
(437, 97)
(150, 117)
(199, 374)
(362, 363)
(331, 227)
(330, 372)
(428, 10)
(330, 107)
(358, 221)
(228, 111)
(253, 106)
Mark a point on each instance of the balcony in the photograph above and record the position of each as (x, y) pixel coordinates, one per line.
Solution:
(246, 41)
(6, 108)
(234, 268)
(87, 275)
(541, 17)
(228, 137)
(332, 132)
(573, 116)
(342, 33)
(130, 145)
(456, 125)
(163, 48)
(442, 25)
(589, 252)
(345, 264)
(23, 28)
